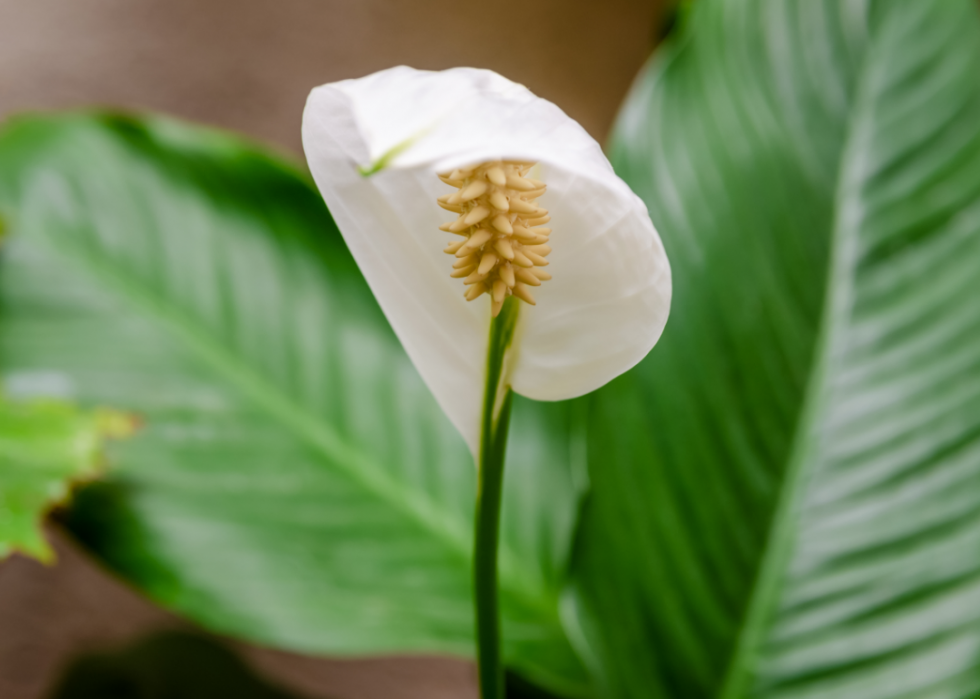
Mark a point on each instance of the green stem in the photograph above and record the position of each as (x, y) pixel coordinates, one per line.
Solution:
(493, 445)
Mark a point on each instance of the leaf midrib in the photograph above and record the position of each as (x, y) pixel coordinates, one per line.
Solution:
(838, 287)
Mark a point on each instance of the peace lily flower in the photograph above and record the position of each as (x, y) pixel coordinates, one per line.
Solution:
(515, 306)
(534, 212)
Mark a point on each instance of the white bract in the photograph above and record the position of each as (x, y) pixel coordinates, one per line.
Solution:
(377, 146)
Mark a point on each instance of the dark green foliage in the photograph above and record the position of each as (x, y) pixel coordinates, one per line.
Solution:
(172, 665)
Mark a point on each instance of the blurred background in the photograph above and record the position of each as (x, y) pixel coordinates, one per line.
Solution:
(248, 65)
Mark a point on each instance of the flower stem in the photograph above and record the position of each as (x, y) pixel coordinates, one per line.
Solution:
(493, 445)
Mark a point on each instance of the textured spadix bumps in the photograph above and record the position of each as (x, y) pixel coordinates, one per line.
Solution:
(377, 147)
(501, 254)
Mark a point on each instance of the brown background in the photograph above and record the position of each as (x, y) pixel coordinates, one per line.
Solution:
(248, 65)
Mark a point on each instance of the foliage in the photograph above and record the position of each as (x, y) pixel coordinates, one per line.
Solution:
(786, 492)
(168, 665)
(46, 447)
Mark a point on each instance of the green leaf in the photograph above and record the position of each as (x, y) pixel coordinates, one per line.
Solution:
(786, 492)
(295, 482)
(45, 448)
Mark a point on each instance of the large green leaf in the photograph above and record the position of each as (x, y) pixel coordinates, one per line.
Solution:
(45, 448)
(786, 493)
(294, 483)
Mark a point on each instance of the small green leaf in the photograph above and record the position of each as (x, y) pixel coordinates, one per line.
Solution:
(46, 447)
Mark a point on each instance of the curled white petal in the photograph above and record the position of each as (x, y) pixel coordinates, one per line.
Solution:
(607, 302)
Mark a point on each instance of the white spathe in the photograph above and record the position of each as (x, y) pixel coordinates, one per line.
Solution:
(609, 298)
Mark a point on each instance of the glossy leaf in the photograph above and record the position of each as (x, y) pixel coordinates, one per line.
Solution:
(786, 492)
(46, 448)
(295, 482)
